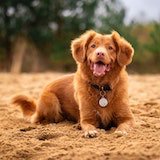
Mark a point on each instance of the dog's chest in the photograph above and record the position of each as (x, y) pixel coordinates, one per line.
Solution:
(104, 113)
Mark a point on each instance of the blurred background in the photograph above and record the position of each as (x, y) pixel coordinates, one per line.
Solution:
(35, 35)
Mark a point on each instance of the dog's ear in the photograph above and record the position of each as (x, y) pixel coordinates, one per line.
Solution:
(124, 49)
(79, 46)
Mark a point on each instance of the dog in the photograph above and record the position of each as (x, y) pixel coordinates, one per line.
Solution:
(96, 95)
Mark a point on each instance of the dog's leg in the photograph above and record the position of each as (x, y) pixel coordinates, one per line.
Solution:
(88, 121)
(125, 121)
(124, 127)
(48, 108)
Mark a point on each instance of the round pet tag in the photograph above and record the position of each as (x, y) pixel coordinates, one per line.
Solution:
(103, 102)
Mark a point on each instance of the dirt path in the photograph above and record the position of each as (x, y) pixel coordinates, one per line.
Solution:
(22, 140)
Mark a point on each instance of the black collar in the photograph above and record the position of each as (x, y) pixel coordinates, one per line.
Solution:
(105, 87)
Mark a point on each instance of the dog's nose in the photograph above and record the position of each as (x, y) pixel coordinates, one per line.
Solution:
(100, 54)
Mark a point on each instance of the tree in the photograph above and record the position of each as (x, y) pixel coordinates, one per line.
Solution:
(154, 44)
(112, 18)
(28, 19)
(42, 22)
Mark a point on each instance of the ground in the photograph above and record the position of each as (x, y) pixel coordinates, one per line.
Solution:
(22, 140)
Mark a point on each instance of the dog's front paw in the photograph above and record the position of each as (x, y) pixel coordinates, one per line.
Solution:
(90, 134)
(123, 129)
(120, 133)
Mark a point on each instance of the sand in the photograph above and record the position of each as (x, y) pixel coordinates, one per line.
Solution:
(22, 140)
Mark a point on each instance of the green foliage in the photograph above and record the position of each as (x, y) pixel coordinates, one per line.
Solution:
(30, 18)
(72, 20)
(154, 45)
(112, 17)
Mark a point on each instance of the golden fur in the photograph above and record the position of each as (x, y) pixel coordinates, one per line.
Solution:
(72, 97)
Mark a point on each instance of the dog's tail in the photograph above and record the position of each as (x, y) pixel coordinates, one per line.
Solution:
(27, 105)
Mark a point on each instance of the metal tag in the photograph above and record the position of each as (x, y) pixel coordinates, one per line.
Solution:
(103, 102)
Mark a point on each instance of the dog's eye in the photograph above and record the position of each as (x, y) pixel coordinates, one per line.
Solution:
(93, 45)
(110, 48)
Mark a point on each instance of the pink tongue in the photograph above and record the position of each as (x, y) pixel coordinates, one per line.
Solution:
(99, 69)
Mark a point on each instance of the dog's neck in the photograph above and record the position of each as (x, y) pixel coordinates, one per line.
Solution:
(111, 78)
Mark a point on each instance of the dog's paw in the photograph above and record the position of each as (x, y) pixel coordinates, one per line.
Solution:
(120, 133)
(123, 129)
(90, 134)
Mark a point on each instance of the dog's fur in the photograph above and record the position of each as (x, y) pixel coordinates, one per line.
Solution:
(72, 97)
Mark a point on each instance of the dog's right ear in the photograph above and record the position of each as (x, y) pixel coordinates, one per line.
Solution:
(79, 46)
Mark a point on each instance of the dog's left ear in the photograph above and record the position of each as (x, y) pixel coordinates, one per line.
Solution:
(79, 46)
(124, 49)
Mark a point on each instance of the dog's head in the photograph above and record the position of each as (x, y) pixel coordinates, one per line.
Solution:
(101, 52)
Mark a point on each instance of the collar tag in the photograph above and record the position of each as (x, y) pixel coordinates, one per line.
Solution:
(103, 102)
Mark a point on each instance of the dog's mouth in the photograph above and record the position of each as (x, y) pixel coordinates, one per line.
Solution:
(100, 68)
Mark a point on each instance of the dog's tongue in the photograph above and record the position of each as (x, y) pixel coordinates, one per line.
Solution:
(99, 69)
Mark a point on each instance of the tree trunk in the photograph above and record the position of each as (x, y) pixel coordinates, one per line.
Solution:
(19, 50)
(35, 60)
(7, 39)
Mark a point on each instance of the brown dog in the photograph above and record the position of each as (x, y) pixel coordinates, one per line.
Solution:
(96, 95)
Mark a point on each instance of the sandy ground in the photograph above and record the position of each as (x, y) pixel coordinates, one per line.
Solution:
(22, 140)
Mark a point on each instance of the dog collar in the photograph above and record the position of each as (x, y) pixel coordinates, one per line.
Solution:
(103, 102)
(103, 88)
